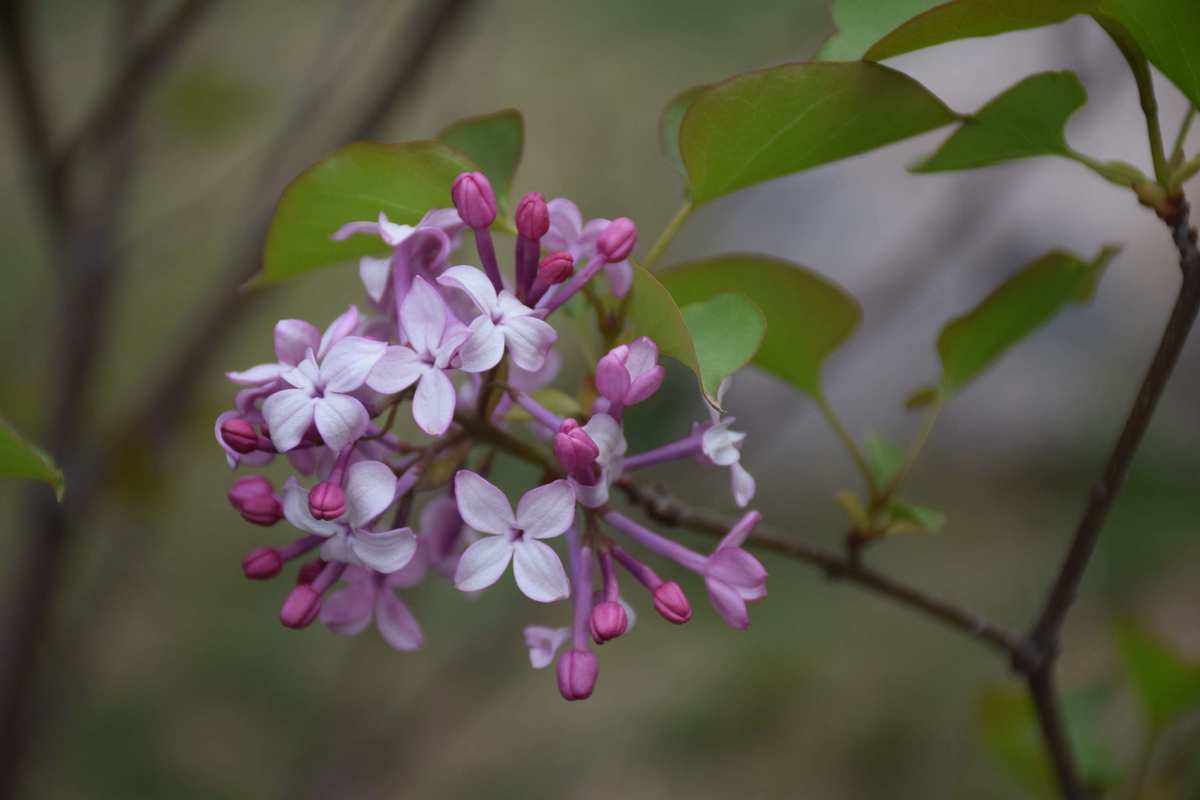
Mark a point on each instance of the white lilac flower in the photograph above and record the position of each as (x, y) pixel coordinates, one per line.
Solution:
(504, 323)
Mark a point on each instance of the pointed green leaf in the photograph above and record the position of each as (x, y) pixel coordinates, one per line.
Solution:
(774, 122)
(1026, 120)
(860, 23)
(1168, 685)
(911, 518)
(654, 313)
(494, 142)
(20, 458)
(355, 183)
(726, 330)
(808, 317)
(1167, 31)
(670, 121)
(969, 344)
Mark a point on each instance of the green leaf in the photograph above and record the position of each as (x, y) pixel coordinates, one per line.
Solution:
(908, 517)
(1168, 685)
(726, 330)
(1026, 120)
(860, 23)
(20, 458)
(355, 183)
(848, 500)
(774, 122)
(1009, 729)
(653, 312)
(884, 459)
(1167, 31)
(808, 317)
(670, 121)
(963, 19)
(494, 142)
(972, 342)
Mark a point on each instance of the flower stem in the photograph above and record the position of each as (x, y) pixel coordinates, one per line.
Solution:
(848, 442)
(914, 451)
(664, 238)
(1141, 75)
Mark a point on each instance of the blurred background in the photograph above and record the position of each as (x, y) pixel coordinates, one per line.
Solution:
(162, 672)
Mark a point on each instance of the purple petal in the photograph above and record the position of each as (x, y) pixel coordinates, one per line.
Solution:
(348, 610)
(294, 338)
(482, 505)
(423, 315)
(483, 563)
(375, 273)
(547, 511)
(425, 251)
(736, 567)
(340, 328)
(352, 228)
(566, 225)
(257, 375)
(397, 369)
(474, 283)
(539, 571)
(620, 277)
(370, 489)
(433, 404)
(349, 362)
(483, 348)
(543, 644)
(728, 603)
(398, 627)
(340, 420)
(393, 233)
(288, 414)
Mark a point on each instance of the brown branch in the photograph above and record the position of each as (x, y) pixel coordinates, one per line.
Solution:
(669, 511)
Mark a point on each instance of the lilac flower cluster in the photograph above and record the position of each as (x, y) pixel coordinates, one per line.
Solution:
(468, 353)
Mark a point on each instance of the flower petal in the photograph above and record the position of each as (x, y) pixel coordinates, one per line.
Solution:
(566, 225)
(620, 277)
(528, 338)
(483, 348)
(423, 315)
(539, 571)
(728, 603)
(370, 489)
(393, 233)
(547, 511)
(375, 273)
(433, 404)
(340, 419)
(295, 510)
(743, 484)
(736, 567)
(610, 440)
(348, 610)
(288, 414)
(719, 444)
(543, 644)
(384, 551)
(482, 505)
(483, 563)
(257, 375)
(398, 627)
(340, 328)
(474, 283)
(349, 362)
(294, 338)
(396, 370)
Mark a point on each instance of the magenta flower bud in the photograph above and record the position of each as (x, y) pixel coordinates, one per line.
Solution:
(533, 218)
(671, 603)
(576, 451)
(577, 671)
(309, 571)
(608, 621)
(239, 435)
(556, 268)
(616, 242)
(474, 199)
(301, 607)
(262, 510)
(612, 378)
(327, 500)
(247, 487)
(262, 563)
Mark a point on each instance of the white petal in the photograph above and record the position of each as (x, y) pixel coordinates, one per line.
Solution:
(340, 328)
(547, 511)
(423, 315)
(288, 415)
(483, 563)
(610, 440)
(433, 405)
(391, 232)
(528, 338)
(539, 571)
(483, 348)
(304, 375)
(719, 444)
(340, 419)
(375, 273)
(543, 644)
(349, 362)
(370, 489)
(384, 551)
(396, 370)
(482, 505)
(295, 510)
(591, 496)
(474, 283)
(257, 375)
(642, 357)
(337, 548)
(398, 627)
(743, 485)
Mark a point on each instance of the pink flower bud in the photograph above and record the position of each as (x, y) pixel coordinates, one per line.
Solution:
(239, 435)
(533, 218)
(616, 242)
(327, 500)
(608, 621)
(249, 486)
(301, 607)
(262, 510)
(671, 603)
(612, 378)
(309, 571)
(577, 671)
(474, 199)
(556, 268)
(262, 563)
(576, 451)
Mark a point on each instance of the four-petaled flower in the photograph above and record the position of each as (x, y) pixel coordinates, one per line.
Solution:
(542, 513)
(293, 339)
(504, 320)
(723, 447)
(372, 595)
(370, 489)
(733, 577)
(433, 338)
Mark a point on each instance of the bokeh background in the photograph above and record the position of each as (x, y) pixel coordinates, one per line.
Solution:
(164, 674)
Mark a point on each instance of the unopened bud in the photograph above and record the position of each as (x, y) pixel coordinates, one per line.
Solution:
(616, 241)
(532, 217)
(301, 607)
(608, 621)
(671, 603)
(612, 377)
(327, 501)
(263, 510)
(262, 563)
(577, 671)
(239, 435)
(473, 197)
(249, 486)
(576, 451)
(556, 268)
(309, 571)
